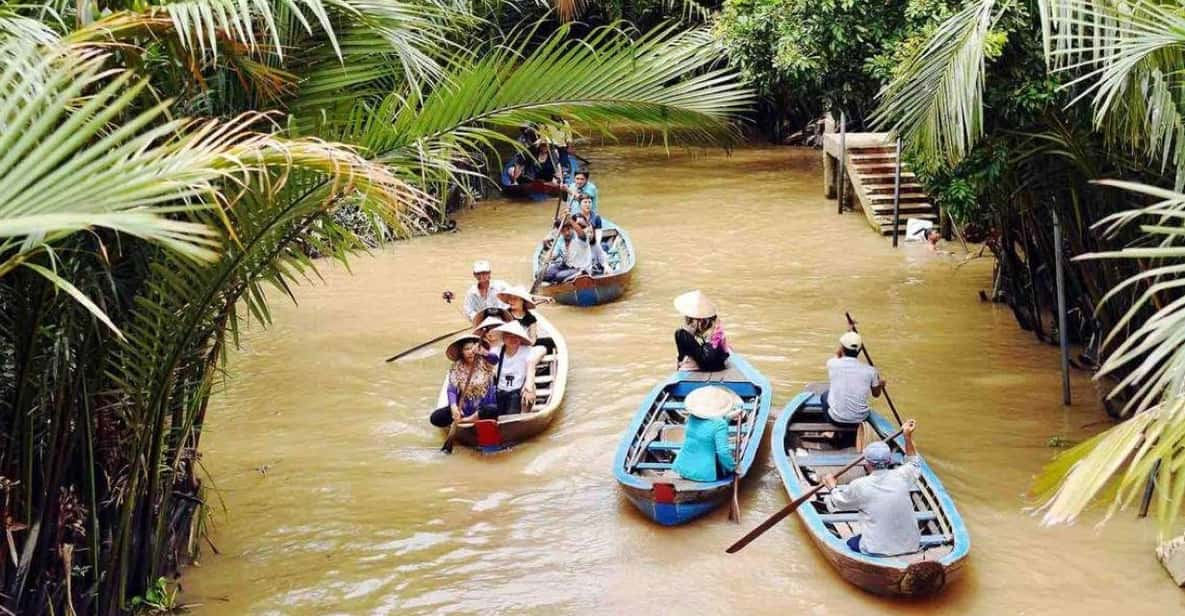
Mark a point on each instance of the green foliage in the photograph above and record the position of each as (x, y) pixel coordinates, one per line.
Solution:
(158, 599)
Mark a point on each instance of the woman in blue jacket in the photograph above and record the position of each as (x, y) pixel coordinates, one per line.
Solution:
(707, 454)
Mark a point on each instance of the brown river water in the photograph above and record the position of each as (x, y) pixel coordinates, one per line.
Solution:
(339, 502)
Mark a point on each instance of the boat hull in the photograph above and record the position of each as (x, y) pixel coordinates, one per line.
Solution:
(588, 290)
(924, 573)
(494, 435)
(643, 460)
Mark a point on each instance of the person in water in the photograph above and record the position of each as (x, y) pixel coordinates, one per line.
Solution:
(483, 294)
(516, 370)
(700, 343)
(471, 387)
(521, 304)
(851, 382)
(581, 186)
(706, 454)
(573, 256)
(888, 524)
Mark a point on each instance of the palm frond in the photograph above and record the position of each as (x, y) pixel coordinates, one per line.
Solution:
(1154, 355)
(936, 100)
(1125, 58)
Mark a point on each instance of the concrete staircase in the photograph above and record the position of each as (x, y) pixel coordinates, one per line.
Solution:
(871, 169)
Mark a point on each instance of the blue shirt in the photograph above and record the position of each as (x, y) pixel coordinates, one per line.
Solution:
(705, 445)
(589, 189)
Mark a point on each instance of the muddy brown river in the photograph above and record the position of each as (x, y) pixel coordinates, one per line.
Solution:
(337, 500)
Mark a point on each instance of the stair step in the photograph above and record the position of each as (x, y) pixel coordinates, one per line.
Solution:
(912, 197)
(914, 208)
(888, 188)
(885, 178)
(888, 220)
(871, 157)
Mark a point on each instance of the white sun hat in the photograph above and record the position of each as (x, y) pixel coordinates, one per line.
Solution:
(514, 328)
(850, 341)
(695, 304)
(481, 266)
(489, 322)
(711, 401)
(519, 292)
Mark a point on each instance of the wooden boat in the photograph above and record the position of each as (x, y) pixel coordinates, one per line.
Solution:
(586, 290)
(536, 190)
(804, 453)
(551, 376)
(648, 448)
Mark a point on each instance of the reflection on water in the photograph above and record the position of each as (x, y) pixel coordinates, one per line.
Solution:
(358, 513)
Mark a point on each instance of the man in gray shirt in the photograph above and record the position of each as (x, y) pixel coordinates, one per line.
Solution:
(846, 401)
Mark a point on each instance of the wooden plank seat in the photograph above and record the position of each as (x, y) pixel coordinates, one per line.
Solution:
(654, 466)
(678, 405)
(835, 459)
(847, 517)
(929, 541)
(820, 427)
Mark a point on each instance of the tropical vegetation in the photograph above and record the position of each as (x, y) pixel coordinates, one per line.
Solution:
(164, 171)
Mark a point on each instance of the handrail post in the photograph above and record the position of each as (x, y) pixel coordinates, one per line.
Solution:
(897, 193)
(1062, 334)
(843, 160)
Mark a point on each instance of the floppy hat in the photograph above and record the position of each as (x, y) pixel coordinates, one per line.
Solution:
(519, 292)
(481, 266)
(878, 454)
(490, 321)
(453, 352)
(514, 328)
(850, 341)
(711, 401)
(695, 304)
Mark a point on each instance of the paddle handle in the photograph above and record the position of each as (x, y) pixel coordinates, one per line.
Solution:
(422, 345)
(864, 348)
(795, 504)
(547, 258)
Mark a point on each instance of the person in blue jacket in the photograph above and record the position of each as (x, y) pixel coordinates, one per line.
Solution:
(707, 453)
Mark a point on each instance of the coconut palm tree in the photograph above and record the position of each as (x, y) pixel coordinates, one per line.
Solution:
(1123, 62)
(165, 165)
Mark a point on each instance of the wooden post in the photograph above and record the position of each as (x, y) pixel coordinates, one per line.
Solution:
(1062, 334)
(843, 160)
(897, 193)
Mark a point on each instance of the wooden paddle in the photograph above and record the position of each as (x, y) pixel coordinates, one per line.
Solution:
(448, 298)
(864, 348)
(547, 258)
(734, 510)
(795, 504)
(447, 447)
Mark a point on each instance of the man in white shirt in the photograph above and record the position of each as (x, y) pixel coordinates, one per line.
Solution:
(851, 382)
(574, 254)
(888, 523)
(484, 293)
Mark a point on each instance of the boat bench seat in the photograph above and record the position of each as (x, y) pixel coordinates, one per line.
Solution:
(677, 445)
(929, 541)
(853, 516)
(835, 459)
(748, 405)
(653, 466)
(820, 427)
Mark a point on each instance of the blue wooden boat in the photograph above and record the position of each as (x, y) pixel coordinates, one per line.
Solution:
(588, 290)
(806, 449)
(648, 448)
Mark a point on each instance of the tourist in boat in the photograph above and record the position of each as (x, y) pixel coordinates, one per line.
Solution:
(521, 304)
(700, 343)
(471, 387)
(580, 187)
(516, 371)
(544, 165)
(586, 212)
(573, 256)
(851, 382)
(887, 520)
(706, 454)
(483, 294)
(486, 328)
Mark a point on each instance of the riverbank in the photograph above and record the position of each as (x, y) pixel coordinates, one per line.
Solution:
(339, 502)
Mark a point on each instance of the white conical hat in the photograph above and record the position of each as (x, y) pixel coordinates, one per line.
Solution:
(514, 328)
(711, 401)
(520, 292)
(489, 322)
(695, 304)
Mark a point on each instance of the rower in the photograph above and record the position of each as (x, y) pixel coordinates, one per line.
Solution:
(581, 185)
(573, 256)
(846, 400)
(700, 343)
(887, 520)
(483, 294)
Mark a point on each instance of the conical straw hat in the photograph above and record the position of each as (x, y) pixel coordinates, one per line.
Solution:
(453, 352)
(514, 328)
(489, 322)
(695, 304)
(711, 401)
(519, 292)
